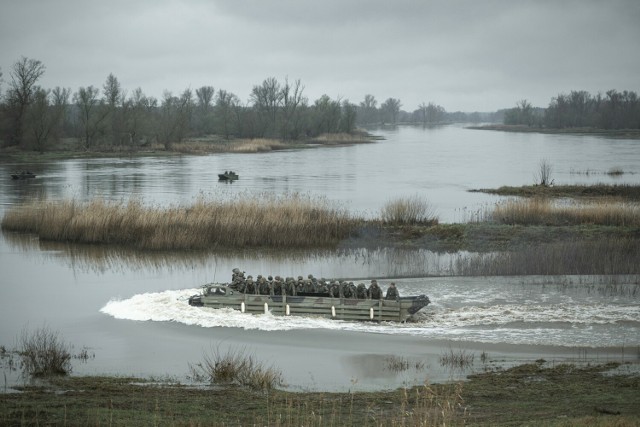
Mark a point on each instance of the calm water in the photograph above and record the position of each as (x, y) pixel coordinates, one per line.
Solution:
(128, 308)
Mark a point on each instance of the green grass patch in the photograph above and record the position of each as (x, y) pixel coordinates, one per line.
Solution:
(549, 394)
(622, 191)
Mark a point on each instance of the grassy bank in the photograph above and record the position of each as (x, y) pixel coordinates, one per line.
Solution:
(609, 133)
(73, 148)
(563, 395)
(622, 191)
(291, 221)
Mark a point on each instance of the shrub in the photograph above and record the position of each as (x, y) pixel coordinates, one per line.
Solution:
(44, 353)
(236, 367)
(406, 211)
(543, 174)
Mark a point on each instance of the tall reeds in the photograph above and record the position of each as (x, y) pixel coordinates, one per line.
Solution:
(413, 210)
(291, 221)
(543, 211)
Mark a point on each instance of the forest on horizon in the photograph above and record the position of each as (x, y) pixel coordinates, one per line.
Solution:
(35, 118)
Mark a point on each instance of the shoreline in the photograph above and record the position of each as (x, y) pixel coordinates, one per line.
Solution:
(610, 133)
(196, 146)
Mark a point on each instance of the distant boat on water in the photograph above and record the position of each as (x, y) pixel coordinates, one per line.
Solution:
(228, 176)
(23, 175)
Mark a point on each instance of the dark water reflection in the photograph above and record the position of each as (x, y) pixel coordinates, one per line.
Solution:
(342, 263)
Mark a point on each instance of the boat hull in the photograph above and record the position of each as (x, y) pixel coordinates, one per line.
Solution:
(314, 305)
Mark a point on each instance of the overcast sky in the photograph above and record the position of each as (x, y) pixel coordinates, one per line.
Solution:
(467, 55)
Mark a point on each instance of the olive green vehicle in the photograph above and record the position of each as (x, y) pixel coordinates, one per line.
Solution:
(216, 295)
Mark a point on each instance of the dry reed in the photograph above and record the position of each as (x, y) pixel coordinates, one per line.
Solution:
(407, 211)
(290, 221)
(255, 145)
(543, 211)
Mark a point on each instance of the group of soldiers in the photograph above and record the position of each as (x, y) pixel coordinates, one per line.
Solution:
(277, 285)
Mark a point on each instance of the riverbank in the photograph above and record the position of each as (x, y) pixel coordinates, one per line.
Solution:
(72, 148)
(608, 133)
(567, 395)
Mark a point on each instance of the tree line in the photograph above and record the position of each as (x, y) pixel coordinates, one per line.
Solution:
(578, 109)
(33, 117)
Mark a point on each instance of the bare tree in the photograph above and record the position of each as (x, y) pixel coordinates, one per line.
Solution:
(369, 108)
(348, 119)
(114, 99)
(543, 174)
(24, 76)
(267, 99)
(175, 117)
(226, 103)
(60, 103)
(292, 100)
(40, 122)
(138, 114)
(203, 114)
(91, 113)
(390, 110)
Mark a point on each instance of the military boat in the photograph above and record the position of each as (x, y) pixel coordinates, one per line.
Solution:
(228, 176)
(215, 295)
(23, 175)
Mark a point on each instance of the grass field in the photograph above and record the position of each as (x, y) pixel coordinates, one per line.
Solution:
(534, 394)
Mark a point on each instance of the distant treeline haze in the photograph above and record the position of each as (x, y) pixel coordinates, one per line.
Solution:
(33, 117)
(580, 109)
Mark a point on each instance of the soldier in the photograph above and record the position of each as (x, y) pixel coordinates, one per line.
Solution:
(361, 291)
(277, 286)
(334, 289)
(236, 277)
(265, 287)
(374, 290)
(291, 286)
(300, 285)
(353, 290)
(322, 287)
(234, 273)
(250, 287)
(346, 290)
(392, 292)
(308, 286)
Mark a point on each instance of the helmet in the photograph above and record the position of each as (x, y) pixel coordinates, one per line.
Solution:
(236, 270)
(270, 277)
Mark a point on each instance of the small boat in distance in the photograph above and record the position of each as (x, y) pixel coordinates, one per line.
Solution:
(228, 176)
(215, 295)
(23, 175)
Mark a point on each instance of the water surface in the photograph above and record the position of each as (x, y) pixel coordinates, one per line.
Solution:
(128, 307)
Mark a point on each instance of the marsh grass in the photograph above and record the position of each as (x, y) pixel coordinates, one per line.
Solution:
(343, 138)
(620, 191)
(460, 359)
(543, 211)
(400, 364)
(43, 352)
(237, 367)
(414, 210)
(258, 145)
(290, 221)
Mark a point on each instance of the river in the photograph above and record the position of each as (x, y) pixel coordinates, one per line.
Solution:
(127, 308)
